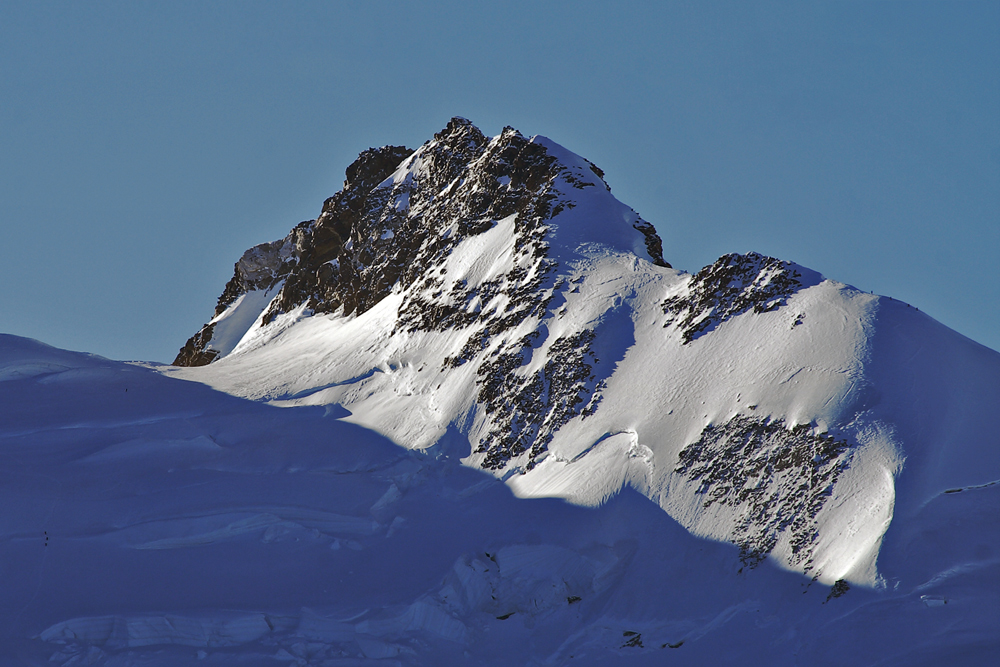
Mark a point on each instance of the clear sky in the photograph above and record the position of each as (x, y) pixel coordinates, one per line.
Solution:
(144, 146)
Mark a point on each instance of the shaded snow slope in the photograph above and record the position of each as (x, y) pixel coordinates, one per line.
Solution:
(152, 521)
(757, 402)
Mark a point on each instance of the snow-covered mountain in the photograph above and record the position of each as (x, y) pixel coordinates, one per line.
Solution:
(758, 460)
(495, 288)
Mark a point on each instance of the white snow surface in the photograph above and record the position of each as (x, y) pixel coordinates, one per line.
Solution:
(239, 318)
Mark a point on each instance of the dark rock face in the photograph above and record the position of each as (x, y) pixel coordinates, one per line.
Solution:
(729, 287)
(194, 352)
(475, 206)
(343, 259)
(527, 410)
(779, 477)
(654, 244)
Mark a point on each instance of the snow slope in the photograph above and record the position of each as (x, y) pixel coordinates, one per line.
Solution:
(152, 521)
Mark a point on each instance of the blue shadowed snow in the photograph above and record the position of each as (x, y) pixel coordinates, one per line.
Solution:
(150, 520)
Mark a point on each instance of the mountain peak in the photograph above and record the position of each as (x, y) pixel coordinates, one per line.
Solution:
(459, 130)
(401, 212)
(488, 300)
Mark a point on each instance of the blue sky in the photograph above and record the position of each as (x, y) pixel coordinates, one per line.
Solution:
(144, 146)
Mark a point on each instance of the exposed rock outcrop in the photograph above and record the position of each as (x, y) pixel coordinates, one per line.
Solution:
(732, 285)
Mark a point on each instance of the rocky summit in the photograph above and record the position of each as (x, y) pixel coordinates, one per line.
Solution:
(400, 215)
(379, 232)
